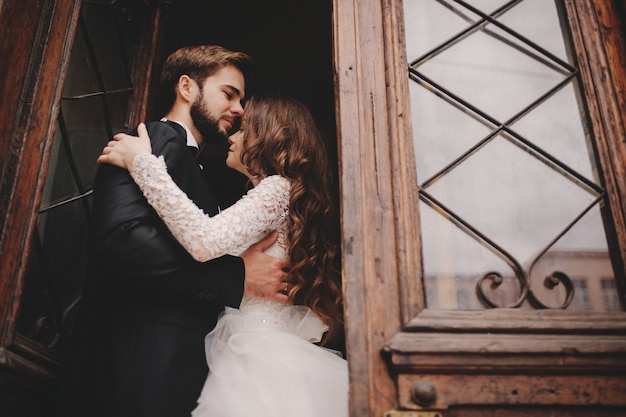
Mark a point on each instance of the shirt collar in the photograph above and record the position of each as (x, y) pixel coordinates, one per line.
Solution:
(191, 139)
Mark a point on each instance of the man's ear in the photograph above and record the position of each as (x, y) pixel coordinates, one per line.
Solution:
(187, 88)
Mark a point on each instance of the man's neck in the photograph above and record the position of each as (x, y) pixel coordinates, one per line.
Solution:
(185, 119)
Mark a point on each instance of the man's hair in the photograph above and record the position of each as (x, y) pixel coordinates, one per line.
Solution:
(199, 63)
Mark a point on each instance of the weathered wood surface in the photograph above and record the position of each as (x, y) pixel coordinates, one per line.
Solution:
(520, 391)
(370, 79)
(380, 237)
(599, 41)
(32, 92)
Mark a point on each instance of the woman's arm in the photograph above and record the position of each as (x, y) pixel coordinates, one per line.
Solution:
(259, 212)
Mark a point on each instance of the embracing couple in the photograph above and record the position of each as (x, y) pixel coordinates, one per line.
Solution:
(193, 310)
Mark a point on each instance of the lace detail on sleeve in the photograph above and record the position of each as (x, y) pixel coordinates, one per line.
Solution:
(262, 210)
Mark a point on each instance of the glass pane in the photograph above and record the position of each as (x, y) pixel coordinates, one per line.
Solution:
(582, 254)
(118, 110)
(423, 31)
(493, 72)
(487, 6)
(558, 127)
(60, 184)
(609, 294)
(54, 280)
(105, 37)
(85, 123)
(81, 73)
(446, 130)
(39, 316)
(510, 196)
(535, 21)
(59, 237)
(85, 126)
(454, 262)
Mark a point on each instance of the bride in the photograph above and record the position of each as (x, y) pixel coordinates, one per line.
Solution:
(265, 358)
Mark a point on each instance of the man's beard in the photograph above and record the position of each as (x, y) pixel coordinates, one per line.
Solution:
(205, 123)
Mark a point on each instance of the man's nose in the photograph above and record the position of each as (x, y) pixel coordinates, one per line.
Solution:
(237, 108)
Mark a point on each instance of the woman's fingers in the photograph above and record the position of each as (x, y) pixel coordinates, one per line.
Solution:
(143, 131)
(123, 148)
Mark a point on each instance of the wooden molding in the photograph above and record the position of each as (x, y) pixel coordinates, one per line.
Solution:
(599, 40)
(371, 116)
(510, 357)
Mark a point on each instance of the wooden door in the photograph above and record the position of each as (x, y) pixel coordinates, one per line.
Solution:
(427, 334)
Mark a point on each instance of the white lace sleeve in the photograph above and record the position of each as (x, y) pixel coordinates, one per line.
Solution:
(262, 210)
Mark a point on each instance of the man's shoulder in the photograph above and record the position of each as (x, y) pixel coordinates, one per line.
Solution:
(166, 135)
(166, 129)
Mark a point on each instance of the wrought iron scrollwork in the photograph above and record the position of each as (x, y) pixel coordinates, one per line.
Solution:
(496, 280)
(550, 282)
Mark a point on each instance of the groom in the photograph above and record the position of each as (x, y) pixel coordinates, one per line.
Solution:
(147, 305)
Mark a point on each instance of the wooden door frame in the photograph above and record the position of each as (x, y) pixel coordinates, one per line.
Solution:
(31, 102)
(378, 197)
(404, 357)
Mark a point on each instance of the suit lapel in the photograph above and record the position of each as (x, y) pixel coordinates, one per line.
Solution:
(199, 189)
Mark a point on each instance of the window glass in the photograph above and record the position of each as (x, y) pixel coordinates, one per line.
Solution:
(94, 105)
(510, 199)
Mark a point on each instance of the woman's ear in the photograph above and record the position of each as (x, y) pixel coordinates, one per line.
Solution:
(187, 89)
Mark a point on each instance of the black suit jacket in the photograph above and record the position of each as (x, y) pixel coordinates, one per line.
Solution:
(134, 248)
(138, 348)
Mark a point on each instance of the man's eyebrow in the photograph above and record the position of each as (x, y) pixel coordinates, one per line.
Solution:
(232, 87)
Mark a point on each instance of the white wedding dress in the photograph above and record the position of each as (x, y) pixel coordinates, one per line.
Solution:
(262, 358)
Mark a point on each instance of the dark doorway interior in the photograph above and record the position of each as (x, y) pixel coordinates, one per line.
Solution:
(291, 42)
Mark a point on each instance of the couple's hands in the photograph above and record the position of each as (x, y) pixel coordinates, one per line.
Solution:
(121, 151)
(265, 275)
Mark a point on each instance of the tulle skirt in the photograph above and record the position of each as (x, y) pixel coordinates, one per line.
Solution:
(262, 363)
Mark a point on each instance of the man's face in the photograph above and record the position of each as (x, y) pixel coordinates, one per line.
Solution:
(219, 103)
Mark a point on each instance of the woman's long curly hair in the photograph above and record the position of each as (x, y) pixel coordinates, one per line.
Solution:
(281, 137)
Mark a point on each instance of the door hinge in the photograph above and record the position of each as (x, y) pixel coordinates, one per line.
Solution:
(413, 413)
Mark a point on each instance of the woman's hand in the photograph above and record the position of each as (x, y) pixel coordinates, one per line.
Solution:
(122, 150)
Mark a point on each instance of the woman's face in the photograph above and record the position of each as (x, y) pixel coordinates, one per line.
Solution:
(233, 160)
